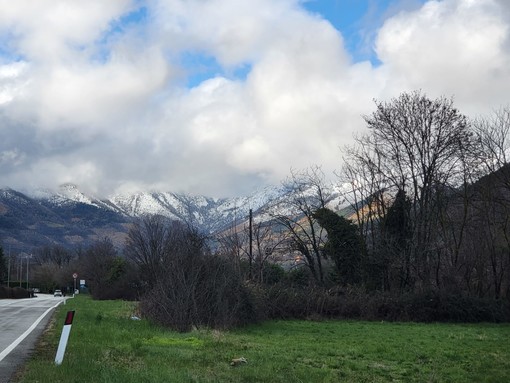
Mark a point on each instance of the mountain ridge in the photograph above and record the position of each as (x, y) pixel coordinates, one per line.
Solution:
(71, 218)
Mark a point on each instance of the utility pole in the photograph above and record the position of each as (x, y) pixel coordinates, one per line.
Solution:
(20, 269)
(251, 242)
(9, 267)
(28, 261)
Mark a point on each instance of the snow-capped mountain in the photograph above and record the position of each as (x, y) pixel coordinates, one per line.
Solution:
(210, 214)
(70, 217)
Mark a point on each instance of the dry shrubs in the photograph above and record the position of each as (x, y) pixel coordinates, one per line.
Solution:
(13, 293)
(285, 302)
(220, 300)
(196, 291)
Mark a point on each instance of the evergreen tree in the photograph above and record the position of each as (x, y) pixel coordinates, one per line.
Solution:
(343, 246)
(396, 223)
(395, 255)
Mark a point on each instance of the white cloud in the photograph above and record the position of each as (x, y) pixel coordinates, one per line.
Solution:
(231, 31)
(47, 31)
(90, 96)
(10, 83)
(83, 102)
(451, 47)
(11, 157)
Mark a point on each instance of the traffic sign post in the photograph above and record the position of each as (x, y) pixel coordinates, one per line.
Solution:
(75, 275)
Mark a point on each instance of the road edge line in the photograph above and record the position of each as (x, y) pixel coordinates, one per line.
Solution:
(20, 339)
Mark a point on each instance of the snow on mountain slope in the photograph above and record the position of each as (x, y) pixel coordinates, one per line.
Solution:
(67, 195)
(70, 217)
(139, 204)
(209, 214)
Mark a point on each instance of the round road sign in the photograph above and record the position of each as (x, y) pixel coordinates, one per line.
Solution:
(75, 275)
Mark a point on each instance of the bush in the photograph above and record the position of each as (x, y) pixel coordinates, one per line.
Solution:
(273, 273)
(198, 291)
(125, 285)
(299, 276)
(281, 301)
(432, 307)
(14, 293)
(284, 302)
(436, 307)
(19, 293)
(220, 300)
(4, 292)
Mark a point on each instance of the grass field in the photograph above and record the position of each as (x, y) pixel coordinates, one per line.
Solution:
(105, 345)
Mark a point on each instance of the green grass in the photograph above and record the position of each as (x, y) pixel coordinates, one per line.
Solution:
(105, 345)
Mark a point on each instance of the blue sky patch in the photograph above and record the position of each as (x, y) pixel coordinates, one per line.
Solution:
(200, 67)
(359, 20)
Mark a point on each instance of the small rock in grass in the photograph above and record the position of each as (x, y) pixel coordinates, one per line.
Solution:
(238, 361)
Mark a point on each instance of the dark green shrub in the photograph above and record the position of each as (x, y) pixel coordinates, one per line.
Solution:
(431, 307)
(109, 276)
(290, 302)
(273, 273)
(4, 292)
(20, 293)
(437, 307)
(299, 276)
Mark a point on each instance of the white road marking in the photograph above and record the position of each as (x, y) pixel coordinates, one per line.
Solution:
(13, 345)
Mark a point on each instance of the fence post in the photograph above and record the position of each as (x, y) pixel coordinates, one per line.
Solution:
(64, 337)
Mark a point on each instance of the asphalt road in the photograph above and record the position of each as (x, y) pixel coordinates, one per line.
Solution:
(21, 323)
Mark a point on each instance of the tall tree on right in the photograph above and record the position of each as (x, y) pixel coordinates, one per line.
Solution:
(490, 239)
(419, 147)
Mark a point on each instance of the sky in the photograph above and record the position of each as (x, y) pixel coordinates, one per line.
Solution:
(223, 97)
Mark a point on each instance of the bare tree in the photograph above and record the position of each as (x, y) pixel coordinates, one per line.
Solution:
(55, 254)
(191, 286)
(419, 147)
(370, 190)
(490, 208)
(268, 242)
(52, 267)
(146, 246)
(233, 241)
(306, 193)
(493, 132)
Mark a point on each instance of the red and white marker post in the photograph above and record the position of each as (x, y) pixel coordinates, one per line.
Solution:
(64, 338)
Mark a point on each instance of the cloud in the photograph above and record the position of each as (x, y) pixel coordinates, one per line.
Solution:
(92, 92)
(10, 83)
(47, 31)
(231, 31)
(451, 47)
